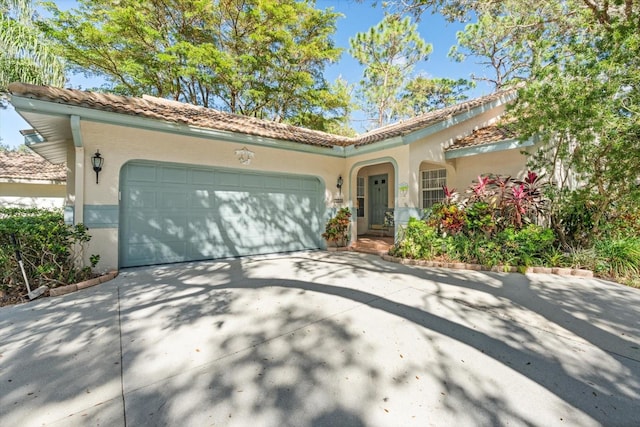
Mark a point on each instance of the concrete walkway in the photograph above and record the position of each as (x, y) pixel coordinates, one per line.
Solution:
(324, 339)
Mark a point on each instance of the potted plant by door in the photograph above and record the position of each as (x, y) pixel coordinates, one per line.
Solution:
(337, 229)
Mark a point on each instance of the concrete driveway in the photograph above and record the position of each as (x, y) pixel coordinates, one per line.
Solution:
(324, 339)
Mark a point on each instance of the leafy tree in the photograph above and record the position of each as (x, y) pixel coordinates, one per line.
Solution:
(424, 94)
(25, 55)
(337, 102)
(581, 99)
(6, 148)
(262, 58)
(389, 52)
(490, 40)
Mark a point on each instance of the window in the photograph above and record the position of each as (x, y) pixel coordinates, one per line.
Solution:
(360, 197)
(432, 183)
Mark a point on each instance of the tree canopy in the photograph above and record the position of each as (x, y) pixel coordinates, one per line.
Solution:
(423, 94)
(581, 100)
(24, 53)
(389, 52)
(262, 58)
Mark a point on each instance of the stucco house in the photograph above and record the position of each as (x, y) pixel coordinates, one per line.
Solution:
(181, 182)
(28, 180)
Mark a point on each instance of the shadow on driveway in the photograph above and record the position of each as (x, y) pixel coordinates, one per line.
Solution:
(317, 339)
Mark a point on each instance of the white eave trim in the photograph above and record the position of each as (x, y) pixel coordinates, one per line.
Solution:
(492, 147)
(458, 118)
(84, 113)
(51, 108)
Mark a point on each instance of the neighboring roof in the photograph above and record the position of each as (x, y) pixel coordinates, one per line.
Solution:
(486, 135)
(207, 118)
(31, 167)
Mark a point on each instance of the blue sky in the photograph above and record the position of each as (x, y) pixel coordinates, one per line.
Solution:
(358, 17)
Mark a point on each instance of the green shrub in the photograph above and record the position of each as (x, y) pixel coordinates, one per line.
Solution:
(498, 225)
(618, 258)
(479, 219)
(418, 241)
(337, 228)
(51, 250)
(625, 222)
(447, 218)
(575, 219)
(487, 252)
(526, 247)
(582, 258)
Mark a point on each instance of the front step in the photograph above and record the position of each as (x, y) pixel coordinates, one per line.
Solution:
(377, 246)
(380, 231)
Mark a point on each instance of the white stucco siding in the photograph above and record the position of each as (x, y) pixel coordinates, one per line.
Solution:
(119, 145)
(398, 157)
(392, 161)
(508, 162)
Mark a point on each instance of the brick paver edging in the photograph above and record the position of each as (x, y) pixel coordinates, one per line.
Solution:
(576, 272)
(62, 290)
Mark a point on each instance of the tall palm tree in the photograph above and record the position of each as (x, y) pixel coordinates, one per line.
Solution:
(25, 55)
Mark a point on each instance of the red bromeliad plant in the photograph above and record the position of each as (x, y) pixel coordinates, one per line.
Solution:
(447, 217)
(514, 202)
(479, 189)
(517, 202)
(450, 194)
(537, 203)
(495, 203)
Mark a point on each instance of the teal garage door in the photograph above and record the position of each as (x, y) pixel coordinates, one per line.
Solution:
(175, 213)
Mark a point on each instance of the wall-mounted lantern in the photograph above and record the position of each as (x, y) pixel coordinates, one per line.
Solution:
(339, 184)
(97, 160)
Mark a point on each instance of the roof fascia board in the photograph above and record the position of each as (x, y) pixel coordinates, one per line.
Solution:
(458, 118)
(107, 117)
(506, 144)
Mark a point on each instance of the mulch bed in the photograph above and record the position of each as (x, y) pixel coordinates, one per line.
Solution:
(18, 294)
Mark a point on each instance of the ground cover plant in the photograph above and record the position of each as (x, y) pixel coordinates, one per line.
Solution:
(52, 251)
(501, 221)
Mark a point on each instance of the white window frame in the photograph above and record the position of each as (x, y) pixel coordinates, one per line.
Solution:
(432, 181)
(360, 197)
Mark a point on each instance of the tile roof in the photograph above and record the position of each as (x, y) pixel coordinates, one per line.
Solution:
(420, 122)
(486, 135)
(27, 166)
(171, 111)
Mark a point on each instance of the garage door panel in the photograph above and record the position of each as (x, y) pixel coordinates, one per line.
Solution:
(228, 179)
(308, 186)
(143, 174)
(201, 176)
(141, 198)
(201, 199)
(173, 213)
(173, 175)
(252, 181)
(156, 253)
(290, 184)
(273, 182)
(173, 199)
